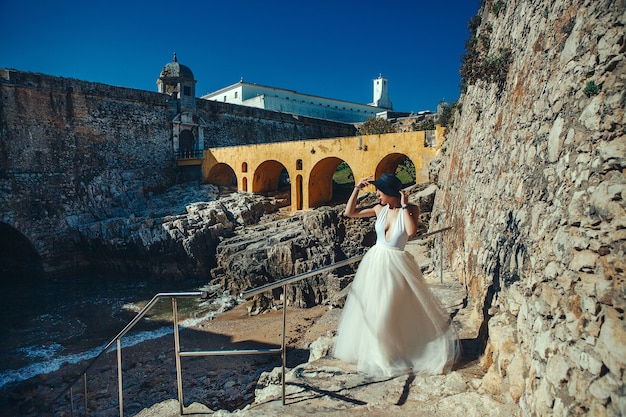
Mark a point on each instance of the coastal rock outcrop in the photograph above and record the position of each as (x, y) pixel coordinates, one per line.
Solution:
(235, 240)
(299, 243)
(170, 235)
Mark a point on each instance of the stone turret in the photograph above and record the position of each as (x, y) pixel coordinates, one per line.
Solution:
(178, 81)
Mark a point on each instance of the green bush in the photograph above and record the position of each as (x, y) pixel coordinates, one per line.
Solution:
(375, 126)
(591, 89)
(343, 174)
(497, 7)
(477, 63)
(405, 171)
(445, 113)
(428, 124)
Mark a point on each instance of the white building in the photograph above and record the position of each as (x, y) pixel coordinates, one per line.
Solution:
(290, 101)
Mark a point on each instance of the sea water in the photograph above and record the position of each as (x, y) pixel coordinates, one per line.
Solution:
(47, 323)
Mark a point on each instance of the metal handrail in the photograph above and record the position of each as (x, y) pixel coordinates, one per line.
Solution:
(179, 354)
(117, 339)
(283, 283)
(422, 236)
(296, 278)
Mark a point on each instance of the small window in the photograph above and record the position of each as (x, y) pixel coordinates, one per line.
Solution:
(224, 99)
(236, 94)
(187, 90)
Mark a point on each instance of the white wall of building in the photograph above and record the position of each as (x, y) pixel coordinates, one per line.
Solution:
(290, 101)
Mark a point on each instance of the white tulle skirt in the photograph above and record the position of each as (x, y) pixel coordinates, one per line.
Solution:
(391, 322)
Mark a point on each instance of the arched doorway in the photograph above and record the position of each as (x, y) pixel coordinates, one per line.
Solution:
(18, 257)
(186, 144)
(267, 177)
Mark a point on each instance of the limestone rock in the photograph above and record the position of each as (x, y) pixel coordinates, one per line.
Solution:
(531, 178)
(173, 234)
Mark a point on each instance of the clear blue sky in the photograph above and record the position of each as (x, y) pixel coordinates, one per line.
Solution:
(324, 48)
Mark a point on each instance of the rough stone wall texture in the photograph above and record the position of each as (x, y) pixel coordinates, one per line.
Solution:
(74, 152)
(230, 125)
(532, 179)
(69, 149)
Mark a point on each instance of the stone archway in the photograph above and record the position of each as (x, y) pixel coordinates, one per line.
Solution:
(321, 181)
(18, 257)
(267, 176)
(398, 164)
(223, 174)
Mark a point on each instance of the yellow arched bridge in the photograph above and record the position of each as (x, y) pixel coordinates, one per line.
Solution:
(312, 163)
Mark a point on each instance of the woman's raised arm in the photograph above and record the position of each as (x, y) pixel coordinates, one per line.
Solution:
(351, 209)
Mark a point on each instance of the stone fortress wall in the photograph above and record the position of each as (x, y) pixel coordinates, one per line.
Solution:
(532, 181)
(69, 149)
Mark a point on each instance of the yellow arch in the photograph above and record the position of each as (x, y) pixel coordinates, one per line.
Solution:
(222, 174)
(311, 163)
(321, 180)
(267, 176)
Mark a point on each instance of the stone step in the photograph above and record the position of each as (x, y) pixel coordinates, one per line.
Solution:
(330, 387)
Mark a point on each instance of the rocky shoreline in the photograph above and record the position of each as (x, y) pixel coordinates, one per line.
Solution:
(149, 371)
(253, 240)
(249, 385)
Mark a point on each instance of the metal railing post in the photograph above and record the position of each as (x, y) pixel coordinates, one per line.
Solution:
(179, 376)
(441, 259)
(284, 343)
(85, 385)
(119, 377)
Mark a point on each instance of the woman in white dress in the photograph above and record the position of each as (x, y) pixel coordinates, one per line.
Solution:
(391, 322)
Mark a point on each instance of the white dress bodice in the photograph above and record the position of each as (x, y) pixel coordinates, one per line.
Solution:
(399, 236)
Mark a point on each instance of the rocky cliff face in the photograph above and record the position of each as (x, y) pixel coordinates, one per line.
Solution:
(532, 181)
(237, 240)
